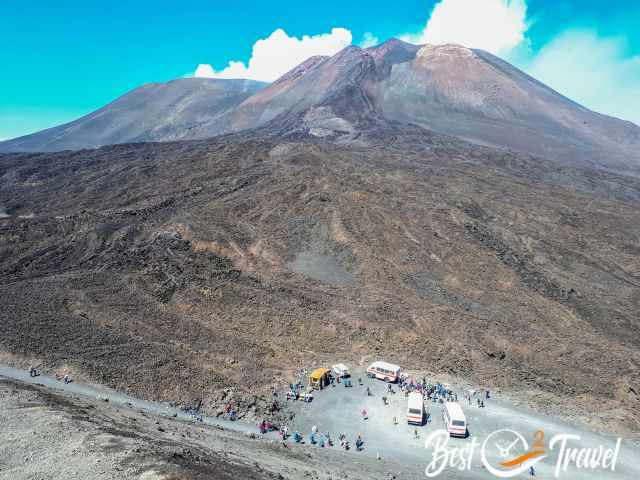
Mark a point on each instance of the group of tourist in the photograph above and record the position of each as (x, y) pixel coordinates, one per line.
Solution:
(315, 437)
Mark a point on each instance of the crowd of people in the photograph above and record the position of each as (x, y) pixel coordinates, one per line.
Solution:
(434, 392)
(439, 392)
(316, 437)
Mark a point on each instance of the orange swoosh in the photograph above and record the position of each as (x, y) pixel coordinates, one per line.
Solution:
(522, 458)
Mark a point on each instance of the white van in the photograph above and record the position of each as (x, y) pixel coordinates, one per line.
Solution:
(415, 408)
(454, 420)
(340, 370)
(384, 371)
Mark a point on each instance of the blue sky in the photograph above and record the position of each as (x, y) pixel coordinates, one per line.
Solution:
(66, 58)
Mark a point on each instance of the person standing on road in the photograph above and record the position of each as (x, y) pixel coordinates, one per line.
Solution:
(364, 414)
(314, 429)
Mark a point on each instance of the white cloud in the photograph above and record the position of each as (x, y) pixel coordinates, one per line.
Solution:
(278, 53)
(369, 40)
(597, 72)
(493, 25)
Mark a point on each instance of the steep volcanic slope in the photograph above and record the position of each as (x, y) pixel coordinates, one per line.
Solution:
(322, 93)
(473, 94)
(328, 97)
(175, 270)
(155, 111)
(448, 89)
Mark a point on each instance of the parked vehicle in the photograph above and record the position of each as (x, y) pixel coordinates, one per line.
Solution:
(415, 408)
(319, 378)
(454, 420)
(340, 370)
(384, 371)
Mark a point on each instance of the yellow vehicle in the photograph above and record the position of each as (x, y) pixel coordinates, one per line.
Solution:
(319, 378)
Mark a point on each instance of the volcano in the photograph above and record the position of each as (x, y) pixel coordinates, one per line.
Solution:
(429, 205)
(447, 89)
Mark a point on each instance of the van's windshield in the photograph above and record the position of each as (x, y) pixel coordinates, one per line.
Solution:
(415, 411)
(458, 423)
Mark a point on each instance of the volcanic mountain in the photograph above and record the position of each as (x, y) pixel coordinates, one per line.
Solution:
(447, 89)
(152, 112)
(330, 222)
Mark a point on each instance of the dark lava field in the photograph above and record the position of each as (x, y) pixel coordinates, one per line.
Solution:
(175, 271)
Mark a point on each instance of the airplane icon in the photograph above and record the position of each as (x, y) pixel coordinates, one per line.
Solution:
(505, 452)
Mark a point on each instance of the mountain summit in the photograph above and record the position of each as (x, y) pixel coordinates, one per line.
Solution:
(448, 89)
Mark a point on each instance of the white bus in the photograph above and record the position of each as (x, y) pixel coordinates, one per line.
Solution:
(415, 408)
(454, 420)
(384, 371)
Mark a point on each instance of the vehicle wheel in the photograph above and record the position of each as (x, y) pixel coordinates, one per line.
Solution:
(387, 379)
